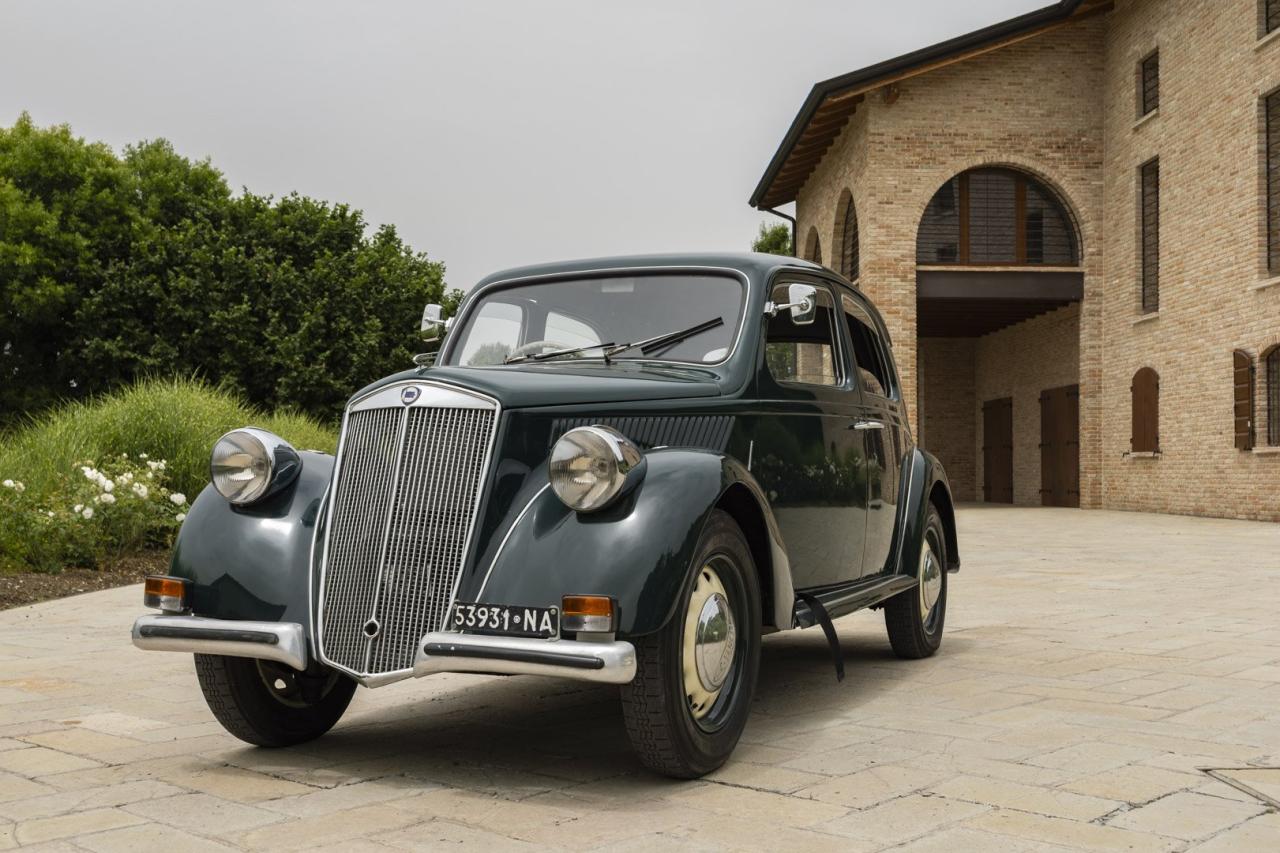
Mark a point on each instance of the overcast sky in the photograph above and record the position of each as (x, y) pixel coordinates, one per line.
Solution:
(490, 133)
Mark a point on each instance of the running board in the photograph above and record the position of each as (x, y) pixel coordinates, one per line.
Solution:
(842, 600)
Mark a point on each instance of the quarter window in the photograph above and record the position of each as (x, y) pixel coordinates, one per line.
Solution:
(872, 368)
(803, 354)
(1149, 201)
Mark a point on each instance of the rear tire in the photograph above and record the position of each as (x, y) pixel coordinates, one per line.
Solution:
(695, 678)
(915, 618)
(272, 704)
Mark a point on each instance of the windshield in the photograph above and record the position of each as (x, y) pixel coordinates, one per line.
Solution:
(542, 318)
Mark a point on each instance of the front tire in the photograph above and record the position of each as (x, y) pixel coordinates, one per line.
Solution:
(272, 704)
(695, 678)
(915, 618)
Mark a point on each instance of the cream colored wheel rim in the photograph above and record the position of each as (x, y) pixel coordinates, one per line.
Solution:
(930, 580)
(710, 640)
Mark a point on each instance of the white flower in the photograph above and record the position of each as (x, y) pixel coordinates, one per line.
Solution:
(178, 498)
(106, 498)
(125, 479)
(76, 509)
(8, 484)
(140, 490)
(19, 488)
(88, 513)
(182, 516)
(49, 513)
(142, 456)
(107, 485)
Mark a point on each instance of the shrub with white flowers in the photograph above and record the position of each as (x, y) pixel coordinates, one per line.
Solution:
(98, 511)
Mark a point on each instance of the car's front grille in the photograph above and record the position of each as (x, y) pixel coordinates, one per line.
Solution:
(404, 503)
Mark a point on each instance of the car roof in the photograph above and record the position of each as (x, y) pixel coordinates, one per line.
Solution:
(752, 264)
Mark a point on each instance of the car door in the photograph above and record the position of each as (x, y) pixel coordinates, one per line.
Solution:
(881, 421)
(805, 452)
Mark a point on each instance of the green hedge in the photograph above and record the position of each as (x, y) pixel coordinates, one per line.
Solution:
(151, 440)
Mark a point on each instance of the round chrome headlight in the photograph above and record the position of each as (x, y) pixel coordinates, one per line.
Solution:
(591, 466)
(249, 464)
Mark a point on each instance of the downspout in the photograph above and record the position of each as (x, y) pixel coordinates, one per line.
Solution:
(790, 219)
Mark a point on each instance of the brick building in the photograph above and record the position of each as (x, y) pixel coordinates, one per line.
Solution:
(1070, 225)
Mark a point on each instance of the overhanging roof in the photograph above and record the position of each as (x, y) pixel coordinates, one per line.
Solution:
(831, 102)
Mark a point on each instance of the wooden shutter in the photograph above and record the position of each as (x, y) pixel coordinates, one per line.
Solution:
(1272, 121)
(1145, 391)
(1150, 95)
(1150, 200)
(849, 243)
(1244, 382)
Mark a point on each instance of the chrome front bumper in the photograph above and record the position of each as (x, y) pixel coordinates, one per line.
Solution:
(439, 651)
(279, 641)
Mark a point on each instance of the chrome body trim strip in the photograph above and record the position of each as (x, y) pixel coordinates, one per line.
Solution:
(285, 642)
(503, 543)
(447, 651)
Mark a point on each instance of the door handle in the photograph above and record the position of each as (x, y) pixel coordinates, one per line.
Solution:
(868, 425)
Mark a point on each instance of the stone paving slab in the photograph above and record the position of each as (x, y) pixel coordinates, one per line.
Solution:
(1094, 664)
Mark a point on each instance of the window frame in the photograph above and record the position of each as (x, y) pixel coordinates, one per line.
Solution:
(840, 357)
(850, 249)
(892, 392)
(1149, 253)
(1244, 389)
(1271, 178)
(1270, 361)
(1149, 83)
(1268, 10)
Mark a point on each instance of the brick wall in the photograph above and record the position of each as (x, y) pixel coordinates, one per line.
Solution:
(1063, 107)
(946, 410)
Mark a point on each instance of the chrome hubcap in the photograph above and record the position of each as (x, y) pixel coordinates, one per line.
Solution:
(710, 640)
(930, 580)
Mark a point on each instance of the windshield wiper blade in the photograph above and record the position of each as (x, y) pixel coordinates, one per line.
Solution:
(543, 356)
(660, 342)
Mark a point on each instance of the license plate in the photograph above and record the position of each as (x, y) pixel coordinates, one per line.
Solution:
(510, 620)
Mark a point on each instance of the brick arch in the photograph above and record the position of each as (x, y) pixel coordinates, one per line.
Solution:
(845, 237)
(1033, 179)
(813, 246)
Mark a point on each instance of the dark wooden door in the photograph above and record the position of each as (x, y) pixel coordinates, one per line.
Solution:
(997, 451)
(1060, 446)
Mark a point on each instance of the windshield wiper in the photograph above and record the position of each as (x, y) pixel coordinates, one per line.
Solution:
(543, 356)
(657, 343)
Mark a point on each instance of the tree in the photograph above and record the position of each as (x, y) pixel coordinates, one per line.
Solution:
(112, 268)
(774, 239)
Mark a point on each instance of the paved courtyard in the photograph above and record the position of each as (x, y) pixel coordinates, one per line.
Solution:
(1094, 664)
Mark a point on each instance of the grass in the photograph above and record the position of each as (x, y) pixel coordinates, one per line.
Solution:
(173, 419)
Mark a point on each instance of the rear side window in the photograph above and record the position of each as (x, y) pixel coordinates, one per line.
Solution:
(803, 354)
(868, 350)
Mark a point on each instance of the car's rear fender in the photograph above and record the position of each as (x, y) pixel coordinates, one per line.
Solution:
(637, 551)
(924, 482)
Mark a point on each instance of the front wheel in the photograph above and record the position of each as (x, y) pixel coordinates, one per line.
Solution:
(915, 618)
(689, 702)
(271, 704)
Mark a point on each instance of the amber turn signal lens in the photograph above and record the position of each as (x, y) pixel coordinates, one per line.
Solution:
(165, 593)
(592, 613)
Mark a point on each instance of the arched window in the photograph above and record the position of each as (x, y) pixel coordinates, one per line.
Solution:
(996, 216)
(1145, 391)
(1242, 371)
(1271, 364)
(846, 237)
(813, 246)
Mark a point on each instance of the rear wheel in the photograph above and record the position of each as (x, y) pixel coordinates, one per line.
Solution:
(691, 696)
(271, 704)
(915, 618)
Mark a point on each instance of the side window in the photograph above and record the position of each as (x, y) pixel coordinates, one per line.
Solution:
(805, 354)
(494, 334)
(868, 352)
(569, 331)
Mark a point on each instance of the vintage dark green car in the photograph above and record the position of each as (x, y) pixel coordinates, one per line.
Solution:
(624, 470)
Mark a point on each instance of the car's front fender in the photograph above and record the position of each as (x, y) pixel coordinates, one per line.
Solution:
(636, 551)
(254, 562)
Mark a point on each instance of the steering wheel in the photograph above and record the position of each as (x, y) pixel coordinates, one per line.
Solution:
(534, 347)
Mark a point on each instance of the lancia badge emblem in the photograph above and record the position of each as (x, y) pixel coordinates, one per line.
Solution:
(409, 394)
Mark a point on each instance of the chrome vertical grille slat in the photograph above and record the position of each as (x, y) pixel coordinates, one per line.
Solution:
(400, 525)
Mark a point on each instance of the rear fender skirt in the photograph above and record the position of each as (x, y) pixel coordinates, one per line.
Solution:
(637, 551)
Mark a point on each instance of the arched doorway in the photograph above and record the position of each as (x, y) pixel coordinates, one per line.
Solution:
(998, 287)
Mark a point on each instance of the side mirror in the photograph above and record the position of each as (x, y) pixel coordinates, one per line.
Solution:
(802, 299)
(433, 321)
